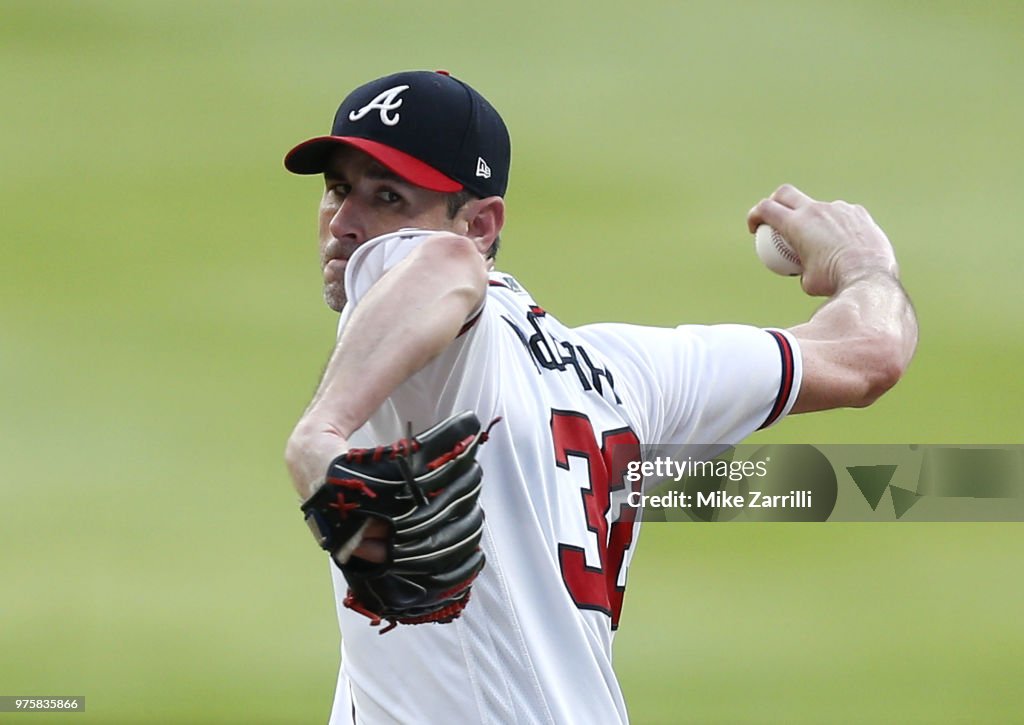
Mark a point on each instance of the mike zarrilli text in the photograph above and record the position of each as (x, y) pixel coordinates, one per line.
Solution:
(721, 499)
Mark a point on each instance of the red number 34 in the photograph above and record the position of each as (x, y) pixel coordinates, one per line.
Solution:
(597, 587)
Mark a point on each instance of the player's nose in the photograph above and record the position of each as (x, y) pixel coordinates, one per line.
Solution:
(347, 223)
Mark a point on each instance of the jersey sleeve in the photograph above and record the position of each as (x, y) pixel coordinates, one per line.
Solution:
(373, 260)
(702, 384)
(376, 257)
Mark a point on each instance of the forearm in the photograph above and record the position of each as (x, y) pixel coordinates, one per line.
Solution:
(405, 320)
(858, 344)
(403, 323)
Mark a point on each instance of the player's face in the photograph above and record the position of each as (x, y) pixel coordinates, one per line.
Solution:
(363, 200)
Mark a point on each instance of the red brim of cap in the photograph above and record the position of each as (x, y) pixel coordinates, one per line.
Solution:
(310, 157)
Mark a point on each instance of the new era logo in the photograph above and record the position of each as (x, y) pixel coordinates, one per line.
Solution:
(482, 169)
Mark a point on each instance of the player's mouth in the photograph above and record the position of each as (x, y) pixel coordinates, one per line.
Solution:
(334, 269)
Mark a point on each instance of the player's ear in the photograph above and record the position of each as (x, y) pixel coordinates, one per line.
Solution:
(484, 219)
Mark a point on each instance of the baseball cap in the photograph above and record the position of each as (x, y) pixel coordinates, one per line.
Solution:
(427, 127)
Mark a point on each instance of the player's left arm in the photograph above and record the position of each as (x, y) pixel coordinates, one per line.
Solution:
(860, 342)
(402, 323)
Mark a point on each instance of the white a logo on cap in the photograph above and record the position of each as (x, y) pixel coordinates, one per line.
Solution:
(482, 169)
(384, 102)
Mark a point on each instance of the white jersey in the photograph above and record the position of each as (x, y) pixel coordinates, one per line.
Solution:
(534, 645)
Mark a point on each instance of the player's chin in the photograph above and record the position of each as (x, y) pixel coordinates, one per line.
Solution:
(334, 295)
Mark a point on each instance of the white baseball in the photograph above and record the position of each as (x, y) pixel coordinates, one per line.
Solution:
(773, 249)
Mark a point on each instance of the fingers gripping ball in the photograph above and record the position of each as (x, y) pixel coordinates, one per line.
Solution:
(776, 253)
(426, 488)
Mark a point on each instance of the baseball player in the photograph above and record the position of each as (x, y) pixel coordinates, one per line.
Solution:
(463, 458)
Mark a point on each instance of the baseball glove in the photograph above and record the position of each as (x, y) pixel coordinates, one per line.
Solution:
(426, 489)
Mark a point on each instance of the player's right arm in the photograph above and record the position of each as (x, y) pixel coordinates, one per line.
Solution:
(403, 322)
(860, 342)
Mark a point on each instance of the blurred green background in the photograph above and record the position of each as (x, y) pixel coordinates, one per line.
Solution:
(161, 329)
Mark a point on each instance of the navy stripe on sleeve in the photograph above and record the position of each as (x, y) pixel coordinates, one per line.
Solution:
(786, 380)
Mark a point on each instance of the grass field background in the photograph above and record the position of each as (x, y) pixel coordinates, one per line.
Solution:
(161, 329)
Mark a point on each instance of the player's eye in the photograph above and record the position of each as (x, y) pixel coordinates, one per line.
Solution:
(388, 196)
(339, 188)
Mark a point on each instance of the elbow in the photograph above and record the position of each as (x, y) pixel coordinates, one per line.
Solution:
(457, 260)
(855, 366)
(448, 245)
(889, 352)
(884, 365)
(877, 383)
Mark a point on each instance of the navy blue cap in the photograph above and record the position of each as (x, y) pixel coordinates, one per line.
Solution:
(427, 127)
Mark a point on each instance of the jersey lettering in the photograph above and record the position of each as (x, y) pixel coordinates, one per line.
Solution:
(597, 587)
(550, 353)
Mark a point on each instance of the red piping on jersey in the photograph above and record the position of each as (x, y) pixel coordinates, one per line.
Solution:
(469, 325)
(786, 383)
(465, 328)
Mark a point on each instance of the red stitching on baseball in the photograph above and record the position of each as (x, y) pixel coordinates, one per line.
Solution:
(783, 248)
